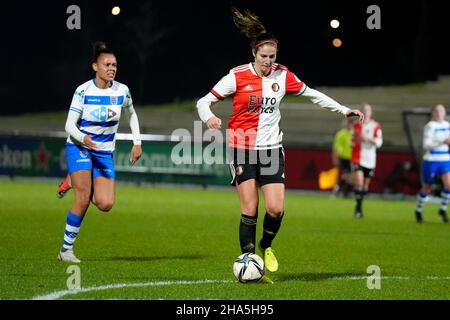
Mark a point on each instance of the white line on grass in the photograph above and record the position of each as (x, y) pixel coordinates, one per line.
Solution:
(388, 278)
(437, 278)
(59, 294)
(365, 278)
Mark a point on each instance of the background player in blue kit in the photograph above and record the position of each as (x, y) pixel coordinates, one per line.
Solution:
(92, 125)
(436, 161)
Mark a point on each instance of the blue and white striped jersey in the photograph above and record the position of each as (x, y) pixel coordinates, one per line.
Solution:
(434, 135)
(99, 112)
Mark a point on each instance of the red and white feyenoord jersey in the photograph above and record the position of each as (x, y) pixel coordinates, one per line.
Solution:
(254, 123)
(364, 153)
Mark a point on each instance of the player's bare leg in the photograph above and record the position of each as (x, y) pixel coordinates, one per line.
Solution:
(82, 186)
(104, 193)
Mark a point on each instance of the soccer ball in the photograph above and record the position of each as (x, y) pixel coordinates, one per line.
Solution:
(249, 267)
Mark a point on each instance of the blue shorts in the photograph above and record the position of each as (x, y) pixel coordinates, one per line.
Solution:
(101, 163)
(432, 168)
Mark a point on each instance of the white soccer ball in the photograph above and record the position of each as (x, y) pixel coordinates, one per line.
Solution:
(249, 267)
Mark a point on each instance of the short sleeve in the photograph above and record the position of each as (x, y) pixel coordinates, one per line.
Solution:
(225, 87)
(293, 84)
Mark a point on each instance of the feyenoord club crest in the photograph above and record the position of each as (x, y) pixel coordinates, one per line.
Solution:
(275, 87)
(113, 99)
(239, 170)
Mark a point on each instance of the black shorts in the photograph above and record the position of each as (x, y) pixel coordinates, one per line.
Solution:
(345, 165)
(368, 173)
(265, 166)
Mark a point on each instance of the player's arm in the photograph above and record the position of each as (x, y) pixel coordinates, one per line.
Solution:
(335, 158)
(223, 89)
(204, 111)
(337, 149)
(133, 121)
(75, 112)
(326, 102)
(430, 141)
(296, 86)
(377, 140)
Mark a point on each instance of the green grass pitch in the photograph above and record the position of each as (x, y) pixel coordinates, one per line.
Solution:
(178, 243)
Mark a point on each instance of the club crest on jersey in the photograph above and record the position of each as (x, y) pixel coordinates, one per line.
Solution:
(79, 95)
(239, 170)
(275, 87)
(103, 114)
(83, 154)
(114, 100)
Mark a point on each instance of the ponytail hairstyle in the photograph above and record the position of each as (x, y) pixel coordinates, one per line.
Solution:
(250, 25)
(99, 48)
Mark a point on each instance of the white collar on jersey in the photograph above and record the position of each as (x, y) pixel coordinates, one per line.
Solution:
(95, 83)
(253, 70)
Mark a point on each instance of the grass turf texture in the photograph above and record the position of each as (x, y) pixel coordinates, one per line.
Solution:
(154, 235)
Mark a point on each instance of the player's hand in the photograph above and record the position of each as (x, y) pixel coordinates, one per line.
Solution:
(89, 143)
(367, 138)
(447, 141)
(135, 154)
(214, 123)
(355, 113)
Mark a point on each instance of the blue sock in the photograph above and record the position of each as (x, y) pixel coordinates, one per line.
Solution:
(73, 224)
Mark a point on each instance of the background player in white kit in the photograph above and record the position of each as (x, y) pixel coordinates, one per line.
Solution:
(255, 138)
(367, 138)
(92, 125)
(436, 161)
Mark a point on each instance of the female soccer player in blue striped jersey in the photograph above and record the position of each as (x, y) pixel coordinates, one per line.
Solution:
(92, 125)
(436, 161)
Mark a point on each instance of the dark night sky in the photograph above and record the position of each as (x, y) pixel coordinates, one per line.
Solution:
(43, 61)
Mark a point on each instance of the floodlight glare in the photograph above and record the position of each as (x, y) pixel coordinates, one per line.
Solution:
(115, 11)
(335, 24)
(337, 43)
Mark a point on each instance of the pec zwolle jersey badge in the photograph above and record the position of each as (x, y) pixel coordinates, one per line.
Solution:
(83, 154)
(113, 100)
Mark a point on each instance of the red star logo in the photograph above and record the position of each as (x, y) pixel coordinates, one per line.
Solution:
(42, 158)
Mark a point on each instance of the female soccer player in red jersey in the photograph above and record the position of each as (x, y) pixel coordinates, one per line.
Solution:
(254, 135)
(367, 138)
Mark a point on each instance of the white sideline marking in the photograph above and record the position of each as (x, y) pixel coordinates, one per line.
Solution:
(388, 278)
(59, 294)
(365, 278)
